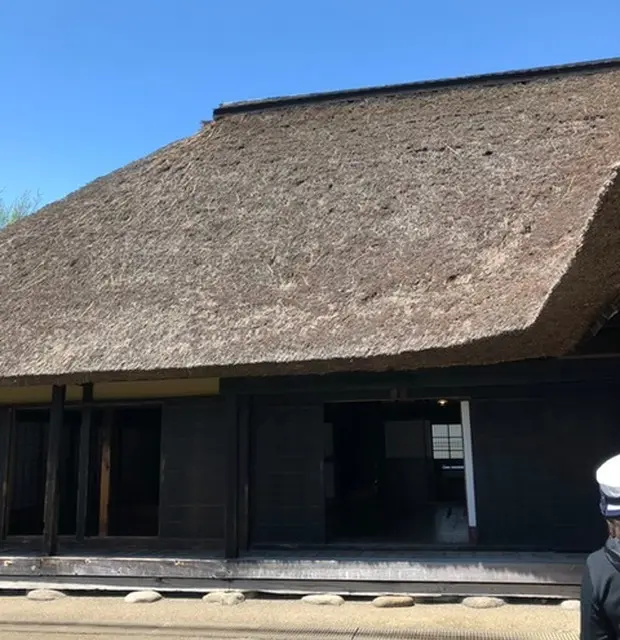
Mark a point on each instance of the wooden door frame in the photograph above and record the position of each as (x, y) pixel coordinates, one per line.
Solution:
(470, 485)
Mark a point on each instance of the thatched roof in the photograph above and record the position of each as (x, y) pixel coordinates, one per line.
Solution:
(429, 225)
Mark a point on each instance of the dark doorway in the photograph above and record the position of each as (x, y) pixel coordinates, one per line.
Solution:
(127, 438)
(135, 445)
(28, 465)
(28, 472)
(68, 472)
(395, 473)
(359, 469)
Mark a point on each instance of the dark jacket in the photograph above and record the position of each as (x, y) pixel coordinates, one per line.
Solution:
(600, 594)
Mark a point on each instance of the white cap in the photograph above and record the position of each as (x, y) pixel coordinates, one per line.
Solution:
(608, 478)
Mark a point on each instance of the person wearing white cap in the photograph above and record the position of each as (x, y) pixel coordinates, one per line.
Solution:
(600, 589)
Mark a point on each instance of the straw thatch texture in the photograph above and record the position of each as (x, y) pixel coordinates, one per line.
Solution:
(422, 229)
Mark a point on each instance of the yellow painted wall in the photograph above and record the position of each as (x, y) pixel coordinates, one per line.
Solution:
(139, 390)
(145, 389)
(35, 395)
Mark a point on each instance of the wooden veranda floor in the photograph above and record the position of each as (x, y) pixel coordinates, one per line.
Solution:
(94, 565)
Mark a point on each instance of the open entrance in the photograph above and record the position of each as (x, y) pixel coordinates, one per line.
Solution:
(134, 472)
(29, 463)
(123, 472)
(396, 473)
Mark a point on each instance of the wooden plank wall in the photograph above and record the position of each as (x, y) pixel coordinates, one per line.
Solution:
(193, 478)
(535, 460)
(287, 498)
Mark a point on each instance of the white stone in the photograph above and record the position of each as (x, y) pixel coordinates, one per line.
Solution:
(393, 602)
(225, 598)
(481, 602)
(324, 599)
(571, 605)
(45, 595)
(142, 596)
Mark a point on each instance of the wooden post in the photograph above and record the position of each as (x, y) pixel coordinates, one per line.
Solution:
(231, 542)
(470, 488)
(6, 440)
(104, 482)
(52, 496)
(243, 506)
(83, 463)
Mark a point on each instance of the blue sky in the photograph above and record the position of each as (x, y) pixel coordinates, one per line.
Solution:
(88, 86)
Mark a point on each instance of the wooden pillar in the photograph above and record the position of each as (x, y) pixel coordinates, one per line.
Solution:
(6, 444)
(104, 479)
(470, 487)
(231, 528)
(84, 459)
(52, 497)
(244, 473)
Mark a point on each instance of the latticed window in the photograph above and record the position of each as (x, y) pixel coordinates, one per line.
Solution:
(447, 441)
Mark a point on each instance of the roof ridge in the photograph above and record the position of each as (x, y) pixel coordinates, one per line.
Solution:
(507, 77)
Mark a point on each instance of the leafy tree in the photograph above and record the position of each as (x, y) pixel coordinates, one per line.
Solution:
(23, 206)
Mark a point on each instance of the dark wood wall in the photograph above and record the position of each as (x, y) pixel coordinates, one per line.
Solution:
(535, 460)
(539, 431)
(193, 477)
(287, 495)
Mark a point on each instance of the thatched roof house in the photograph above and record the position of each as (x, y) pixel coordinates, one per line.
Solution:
(435, 224)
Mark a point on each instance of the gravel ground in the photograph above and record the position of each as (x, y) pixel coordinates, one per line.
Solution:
(88, 617)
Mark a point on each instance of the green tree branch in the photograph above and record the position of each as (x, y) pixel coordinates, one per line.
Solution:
(23, 206)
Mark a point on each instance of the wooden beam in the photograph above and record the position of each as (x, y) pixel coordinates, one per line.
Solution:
(425, 381)
(231, 529)
(84, 459)
(412, 394)
(245, 412)
(104, 479)
(6, 441)
(52, 496)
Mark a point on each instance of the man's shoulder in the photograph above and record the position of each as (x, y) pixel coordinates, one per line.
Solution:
(599, 565)
(597, 557)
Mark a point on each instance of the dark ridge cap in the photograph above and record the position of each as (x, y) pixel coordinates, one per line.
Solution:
(506, 77)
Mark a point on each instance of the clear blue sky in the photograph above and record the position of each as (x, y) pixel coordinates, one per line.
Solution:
(89, 85)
